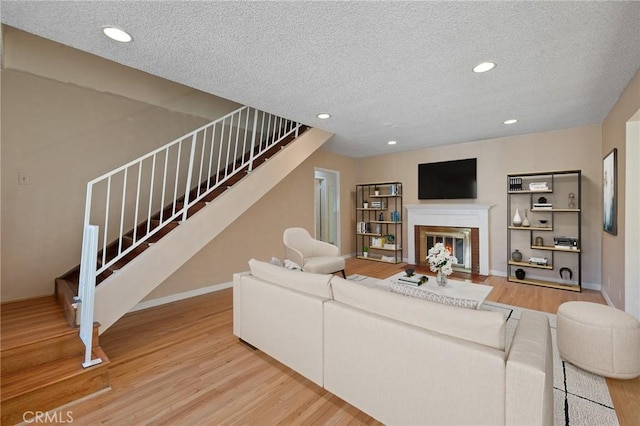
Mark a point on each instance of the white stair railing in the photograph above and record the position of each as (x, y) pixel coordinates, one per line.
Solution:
(86, 294)
(134, 202)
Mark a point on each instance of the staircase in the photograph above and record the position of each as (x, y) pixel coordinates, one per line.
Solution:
(42, 353)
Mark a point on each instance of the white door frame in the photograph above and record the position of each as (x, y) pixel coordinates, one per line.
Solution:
(332, 179)
(632, 212)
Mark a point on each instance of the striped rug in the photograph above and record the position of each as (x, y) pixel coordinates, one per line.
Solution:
(580, 397)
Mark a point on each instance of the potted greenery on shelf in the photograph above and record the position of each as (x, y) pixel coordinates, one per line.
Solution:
(365, 251)
(365, 204)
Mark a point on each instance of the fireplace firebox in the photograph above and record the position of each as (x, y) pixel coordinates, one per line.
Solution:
(462, 243)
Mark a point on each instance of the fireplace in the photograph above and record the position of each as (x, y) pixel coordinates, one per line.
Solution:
(472, 216)
(462, 243)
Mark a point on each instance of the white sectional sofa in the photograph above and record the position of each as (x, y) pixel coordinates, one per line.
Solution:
(402, 360)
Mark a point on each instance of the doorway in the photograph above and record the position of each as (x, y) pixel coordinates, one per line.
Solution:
(327, 205)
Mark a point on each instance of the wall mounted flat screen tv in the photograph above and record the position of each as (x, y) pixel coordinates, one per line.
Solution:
(447, 180)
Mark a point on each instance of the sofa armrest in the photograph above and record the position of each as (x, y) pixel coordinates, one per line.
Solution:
(529, 377)
(237, 303)
(321, 248)
(294, 255)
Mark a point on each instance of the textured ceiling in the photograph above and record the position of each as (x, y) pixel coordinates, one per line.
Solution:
(384, 70)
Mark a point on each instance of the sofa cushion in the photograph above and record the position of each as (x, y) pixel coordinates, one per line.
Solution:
(305, 282)
(484, 327)
(324, 263)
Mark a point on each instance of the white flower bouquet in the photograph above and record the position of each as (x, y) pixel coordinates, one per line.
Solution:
(440, 260)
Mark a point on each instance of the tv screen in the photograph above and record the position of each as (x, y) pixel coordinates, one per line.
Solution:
(447, 180)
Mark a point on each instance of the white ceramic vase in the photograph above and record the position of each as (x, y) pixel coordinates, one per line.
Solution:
(517, 220)
(525, 221)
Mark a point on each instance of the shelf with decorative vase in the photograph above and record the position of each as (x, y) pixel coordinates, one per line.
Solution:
(539, 204)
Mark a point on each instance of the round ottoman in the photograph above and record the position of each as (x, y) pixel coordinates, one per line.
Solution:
(599, 339)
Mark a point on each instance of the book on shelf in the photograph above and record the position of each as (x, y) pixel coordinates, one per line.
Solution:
(538, 186)
(515, 184)
(378, 242)
(363, 228)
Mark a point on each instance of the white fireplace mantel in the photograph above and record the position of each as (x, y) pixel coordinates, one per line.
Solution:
(450, 215)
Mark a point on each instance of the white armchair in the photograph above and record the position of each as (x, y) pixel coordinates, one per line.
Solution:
(311, 254)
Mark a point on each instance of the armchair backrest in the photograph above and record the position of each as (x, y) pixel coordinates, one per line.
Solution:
(298, 244)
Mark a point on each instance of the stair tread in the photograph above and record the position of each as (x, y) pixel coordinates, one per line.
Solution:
(23, 323)
(19, 383)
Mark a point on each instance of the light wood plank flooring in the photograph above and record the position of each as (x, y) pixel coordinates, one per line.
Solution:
(181, 364)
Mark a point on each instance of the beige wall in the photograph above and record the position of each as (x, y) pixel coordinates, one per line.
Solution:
(614, 136)
(65, 122)
(258, 233)
(575, 148)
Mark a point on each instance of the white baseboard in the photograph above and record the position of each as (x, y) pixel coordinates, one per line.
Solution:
(592, 286)
(180, 296)
(606, 298)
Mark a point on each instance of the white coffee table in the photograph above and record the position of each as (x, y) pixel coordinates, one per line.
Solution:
(454, 289)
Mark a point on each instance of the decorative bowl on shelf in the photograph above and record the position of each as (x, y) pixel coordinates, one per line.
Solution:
(543, 222)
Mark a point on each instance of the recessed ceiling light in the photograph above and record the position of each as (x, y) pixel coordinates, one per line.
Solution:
(323, 116)
(512, 121)
(484, 67)
(117, 34)
(392, 142)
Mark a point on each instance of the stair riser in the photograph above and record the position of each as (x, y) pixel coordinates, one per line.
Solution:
(65, 294)
(55, 395)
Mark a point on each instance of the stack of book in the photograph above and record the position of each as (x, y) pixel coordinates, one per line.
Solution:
(538, 186)
(568, 243)
(542, 261)
(412, 280)
(378, 204)
(542, 206)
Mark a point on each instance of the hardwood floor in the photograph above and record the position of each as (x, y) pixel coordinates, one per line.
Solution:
(181, 364)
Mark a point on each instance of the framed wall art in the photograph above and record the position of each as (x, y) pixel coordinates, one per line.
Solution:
(609, 192)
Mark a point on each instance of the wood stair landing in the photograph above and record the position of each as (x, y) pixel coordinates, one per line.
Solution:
(41, 357)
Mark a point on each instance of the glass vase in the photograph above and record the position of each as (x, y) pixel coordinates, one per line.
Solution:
(441, 279)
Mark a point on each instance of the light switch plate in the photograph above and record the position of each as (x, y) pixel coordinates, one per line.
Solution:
(24, 178)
